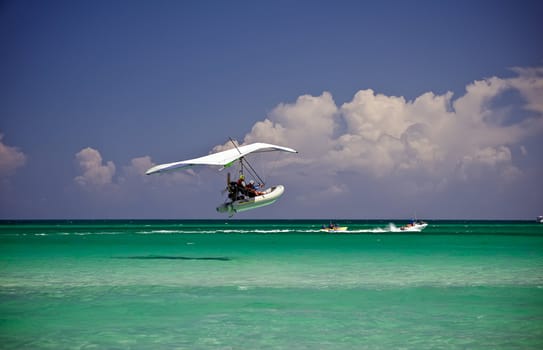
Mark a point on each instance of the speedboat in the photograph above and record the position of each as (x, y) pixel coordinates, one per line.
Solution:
(414, 226)
(333, 228)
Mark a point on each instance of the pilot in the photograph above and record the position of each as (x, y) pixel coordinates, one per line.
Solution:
(241, 181)
(242, 186)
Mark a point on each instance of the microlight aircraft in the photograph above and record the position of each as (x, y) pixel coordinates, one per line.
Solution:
(242, 196)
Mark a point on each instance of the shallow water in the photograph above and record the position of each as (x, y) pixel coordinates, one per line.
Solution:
(270, 284)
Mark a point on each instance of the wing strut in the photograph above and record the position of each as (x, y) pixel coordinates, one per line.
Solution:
(251, 170)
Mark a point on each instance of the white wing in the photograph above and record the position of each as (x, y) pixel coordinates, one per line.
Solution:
(223, 159)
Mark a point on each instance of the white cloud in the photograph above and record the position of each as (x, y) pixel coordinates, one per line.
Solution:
(138, 166)
(498, 159)
(95, 173)
(10, 159)
(100, 174)
(490, 156)
(431, 137)
(530, 85)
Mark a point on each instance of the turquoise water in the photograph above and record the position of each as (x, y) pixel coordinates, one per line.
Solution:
(270, 285)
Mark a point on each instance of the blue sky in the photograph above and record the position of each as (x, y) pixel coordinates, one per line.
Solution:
(397, 108)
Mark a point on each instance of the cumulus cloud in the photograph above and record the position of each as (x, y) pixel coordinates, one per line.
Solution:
(10, 159)
(99, 174)
(497, 159)
(530, 85)
(434, 137)
(95, 172)
(138, 166)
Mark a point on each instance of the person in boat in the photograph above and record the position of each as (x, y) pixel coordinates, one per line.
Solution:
(242, 187)
(241, 181)
(236, 189)
(252, 189)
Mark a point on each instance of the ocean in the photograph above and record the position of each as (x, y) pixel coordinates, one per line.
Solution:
(281, 284)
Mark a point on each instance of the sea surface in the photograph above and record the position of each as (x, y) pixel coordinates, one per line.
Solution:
(234, 284)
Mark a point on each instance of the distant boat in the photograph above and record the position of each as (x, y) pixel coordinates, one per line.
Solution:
(414, 226)
(540, 219)
(333, 227)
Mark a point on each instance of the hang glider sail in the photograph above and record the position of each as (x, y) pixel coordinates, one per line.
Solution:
(241, 195)
(223, 159)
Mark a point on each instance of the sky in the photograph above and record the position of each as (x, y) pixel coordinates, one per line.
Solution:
(398, 109)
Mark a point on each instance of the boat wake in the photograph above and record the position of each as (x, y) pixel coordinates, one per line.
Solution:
(390, 228)
(308, 229)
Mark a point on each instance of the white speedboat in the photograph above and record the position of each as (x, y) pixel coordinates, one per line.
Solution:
(414, 226)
